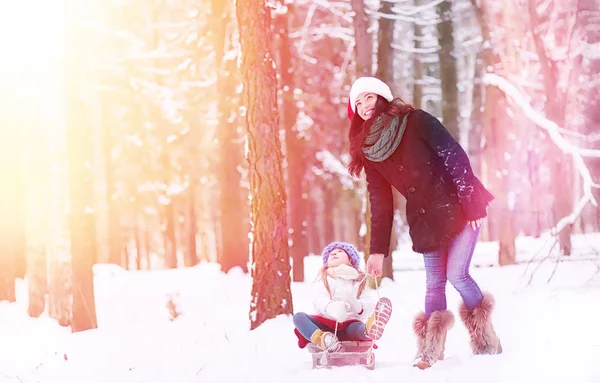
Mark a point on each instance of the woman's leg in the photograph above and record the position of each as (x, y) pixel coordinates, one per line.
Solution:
(477, 307)
(435, 274)
(432, 325)
(460, 253)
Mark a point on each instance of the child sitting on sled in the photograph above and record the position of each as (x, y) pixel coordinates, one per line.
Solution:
(342, 303)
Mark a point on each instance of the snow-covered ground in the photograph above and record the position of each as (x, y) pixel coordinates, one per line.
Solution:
(550, 331)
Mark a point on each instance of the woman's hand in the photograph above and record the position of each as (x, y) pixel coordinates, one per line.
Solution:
(475, 224)
(374, 265)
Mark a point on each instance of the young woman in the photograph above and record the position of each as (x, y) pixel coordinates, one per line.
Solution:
(409, 149)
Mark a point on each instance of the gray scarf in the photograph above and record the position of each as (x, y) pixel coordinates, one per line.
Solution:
(383, 139)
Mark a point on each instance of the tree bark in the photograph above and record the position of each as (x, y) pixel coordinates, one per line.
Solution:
(271, 293)
(448, 69)
(115, 255)
(294, 146)
(12, 210)
(364, 46)
(233, 251)
(191, 257)
(81, 214)
(385, 53)
(495, 132)
(37, 180)
(417, 63)
(556, 102)
(385, 72)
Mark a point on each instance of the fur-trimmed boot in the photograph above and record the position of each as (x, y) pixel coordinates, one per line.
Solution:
(479, 324)
(431, 337)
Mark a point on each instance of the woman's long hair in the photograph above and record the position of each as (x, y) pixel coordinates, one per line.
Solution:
(359, 129)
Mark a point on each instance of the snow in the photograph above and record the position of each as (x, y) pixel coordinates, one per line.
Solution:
(548, 329)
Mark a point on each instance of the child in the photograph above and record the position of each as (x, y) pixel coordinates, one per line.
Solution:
(341, 303)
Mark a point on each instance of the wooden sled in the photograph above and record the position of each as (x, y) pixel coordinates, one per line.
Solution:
(356, 353)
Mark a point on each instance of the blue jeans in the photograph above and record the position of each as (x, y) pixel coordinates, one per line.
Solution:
(308, 324)
(451, 263)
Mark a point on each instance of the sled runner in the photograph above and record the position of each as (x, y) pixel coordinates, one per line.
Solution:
(355, 353)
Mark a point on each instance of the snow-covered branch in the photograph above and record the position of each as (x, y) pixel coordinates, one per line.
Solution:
(552, 128)
(410, 49)
(554, 133)
(331, 164)
(413, 10)
(408, 19)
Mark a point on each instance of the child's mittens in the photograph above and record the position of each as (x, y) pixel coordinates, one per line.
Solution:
(337, 310)
(354, 305)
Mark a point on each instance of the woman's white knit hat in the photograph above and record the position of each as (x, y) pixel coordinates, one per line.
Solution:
(369, 85)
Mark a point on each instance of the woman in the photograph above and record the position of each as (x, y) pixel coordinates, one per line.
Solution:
(412, 151)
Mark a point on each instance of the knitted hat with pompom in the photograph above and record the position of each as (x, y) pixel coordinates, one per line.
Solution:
(347, 247)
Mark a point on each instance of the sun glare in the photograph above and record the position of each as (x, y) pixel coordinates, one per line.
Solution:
(32, 34)
(32, 56)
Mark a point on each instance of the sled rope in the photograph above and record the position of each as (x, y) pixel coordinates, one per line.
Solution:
(370, 349)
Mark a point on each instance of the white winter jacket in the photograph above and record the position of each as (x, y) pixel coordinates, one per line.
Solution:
(343, 283)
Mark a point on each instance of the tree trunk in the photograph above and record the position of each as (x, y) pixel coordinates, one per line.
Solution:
(555, 108)
(364, 45)
(191, 257)
(495, 133)
(328, 221)
(37, 179)
(36, 274)
(115, 255)
(59, 287)
(314, 232)
(385, 72)
(448, 70)
(169, 235)
(138, 238)
(476, 125)
(294, 146)
(271, 293)
(233, 233)
(12, 221)
(7, 266)
(385, 53)
(417, 63)
(82, 219)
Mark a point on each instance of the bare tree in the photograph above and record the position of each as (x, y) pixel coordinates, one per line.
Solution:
(556, 109)
(271, 294)
(448, 68)
(80, 183)
(234, 240)
(502, 220)
(296, 168)
(364, 46)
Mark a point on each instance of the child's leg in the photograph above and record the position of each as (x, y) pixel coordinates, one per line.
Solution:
(354, 331)
(307, 325)
(313, 330)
